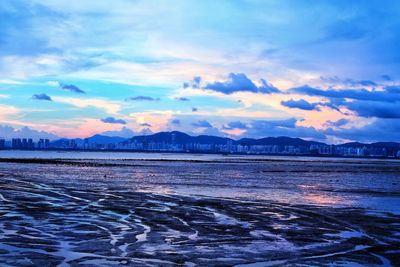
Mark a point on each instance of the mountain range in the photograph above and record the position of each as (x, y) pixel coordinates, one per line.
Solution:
(177, 137)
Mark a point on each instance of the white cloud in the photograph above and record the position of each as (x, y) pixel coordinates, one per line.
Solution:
(111, 107)
(124, 132)
(14, 82)
(6, 111)
(9, 132)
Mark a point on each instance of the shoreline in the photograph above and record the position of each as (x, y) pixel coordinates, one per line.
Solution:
(200, 153)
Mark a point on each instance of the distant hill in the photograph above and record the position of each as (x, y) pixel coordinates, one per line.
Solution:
(104, 140)
(388, 145)
(63, 142)
(280, 141)
(183, 138)
(353, 144)
(95, 139)
(180, 138)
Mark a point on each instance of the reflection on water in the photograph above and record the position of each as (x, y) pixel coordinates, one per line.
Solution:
(40, 154)
(361, 183)
(326, 199)
(312, 195)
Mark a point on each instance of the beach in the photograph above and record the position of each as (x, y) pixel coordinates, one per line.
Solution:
(197, 210)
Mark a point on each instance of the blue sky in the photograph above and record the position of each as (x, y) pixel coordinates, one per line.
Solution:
(321, 70)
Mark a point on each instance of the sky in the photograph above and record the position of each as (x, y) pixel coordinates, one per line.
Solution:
(319, 70)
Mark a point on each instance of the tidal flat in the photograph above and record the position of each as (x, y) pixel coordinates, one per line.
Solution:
(199, 211)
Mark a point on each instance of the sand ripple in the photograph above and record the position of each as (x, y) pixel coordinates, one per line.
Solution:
(50, 224)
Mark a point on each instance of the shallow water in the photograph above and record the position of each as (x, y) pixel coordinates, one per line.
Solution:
(175, 209)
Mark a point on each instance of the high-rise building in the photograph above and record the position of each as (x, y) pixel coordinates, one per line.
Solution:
(31, 145)
(24, 143)
(40, 144)
(2, 143)
(16, 143)
(43, 143)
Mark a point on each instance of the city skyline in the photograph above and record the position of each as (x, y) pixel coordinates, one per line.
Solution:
(228, 68)
(183, 143)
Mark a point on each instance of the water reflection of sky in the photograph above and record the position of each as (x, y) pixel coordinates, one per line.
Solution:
(313, 182)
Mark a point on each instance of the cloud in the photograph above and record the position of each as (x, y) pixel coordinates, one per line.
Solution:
(182, 99)
(235, 125)
(374, 109)
(202, 124)
(109, 106)
(194, 83)
(145, 131)
(72, 88)
(378, 130)
(8, 111)
(41, 97)
(176, 122)
(145, 125)
(349, 82)
(388, 94)
(286, 123)
(239, 82)
(337, 123)
(66, 39)
(194, 109)
(345, 29)
(300, 104)
(382, 103)
(124, 132)
(12, 82)
(287, 127)
(113, 120)
(9, 132)
(142, 98)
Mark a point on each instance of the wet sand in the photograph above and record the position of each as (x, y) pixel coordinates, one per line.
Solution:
(55, 219)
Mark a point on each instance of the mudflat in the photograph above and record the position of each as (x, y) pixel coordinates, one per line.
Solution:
(177, 213)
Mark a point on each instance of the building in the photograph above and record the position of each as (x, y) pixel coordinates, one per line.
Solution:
(43, 143)
(16, 143)
(2, 143)
(31, 144)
